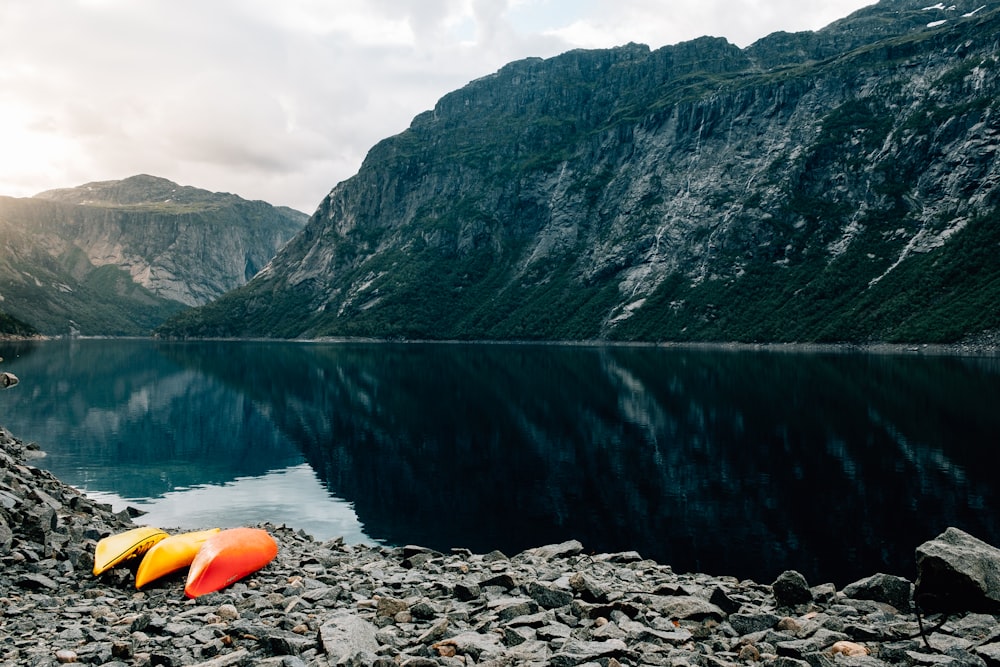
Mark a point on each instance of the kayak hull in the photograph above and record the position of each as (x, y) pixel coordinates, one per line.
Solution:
(114, 550)
(171, 554)
(227, 557)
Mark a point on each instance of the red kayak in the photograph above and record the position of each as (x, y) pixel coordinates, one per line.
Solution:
(229, 556)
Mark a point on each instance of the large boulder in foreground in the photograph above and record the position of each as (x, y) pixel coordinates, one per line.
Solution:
(957, 572)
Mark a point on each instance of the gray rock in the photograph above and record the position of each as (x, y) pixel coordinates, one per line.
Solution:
(474, 644)
(745, 624)
(33, 581)
(588, 588)
(510, 608)
(8, 380)
(344, 635)
(723, 601)
(990, 653)
(466, 591)
(687, 607)
(563, 550)
(790, 589)
(332, 604)
(785, 661)
(823, 639)
(886, 588)
(548, 597)
(579, 652)
(957, 572)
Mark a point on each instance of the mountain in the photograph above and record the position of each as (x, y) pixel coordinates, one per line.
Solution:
(11, 326)
(837, 185)
(119, 257)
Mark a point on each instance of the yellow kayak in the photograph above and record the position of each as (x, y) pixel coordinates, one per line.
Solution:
(116, 549)
(170, 555)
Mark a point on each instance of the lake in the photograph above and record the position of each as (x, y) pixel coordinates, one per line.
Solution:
(738, 462)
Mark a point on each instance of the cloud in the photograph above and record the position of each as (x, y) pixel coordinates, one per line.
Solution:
(282, 100)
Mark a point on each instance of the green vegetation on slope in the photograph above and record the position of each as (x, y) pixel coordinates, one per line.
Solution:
(843, 191)
(11, 326)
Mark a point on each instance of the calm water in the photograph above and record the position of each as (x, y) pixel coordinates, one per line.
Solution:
(743, 463)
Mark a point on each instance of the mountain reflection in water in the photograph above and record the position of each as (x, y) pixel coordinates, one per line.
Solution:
(730, 462)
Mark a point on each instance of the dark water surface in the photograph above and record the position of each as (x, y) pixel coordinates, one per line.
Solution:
(728, 462)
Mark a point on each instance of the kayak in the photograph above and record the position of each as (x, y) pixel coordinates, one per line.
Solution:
(170, 555)
(228, 556)
(116, 549)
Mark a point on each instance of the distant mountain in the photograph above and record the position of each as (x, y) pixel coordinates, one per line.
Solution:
(119, 257)
(838, 185)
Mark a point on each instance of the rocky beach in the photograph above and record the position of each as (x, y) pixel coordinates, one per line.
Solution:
(329, 603)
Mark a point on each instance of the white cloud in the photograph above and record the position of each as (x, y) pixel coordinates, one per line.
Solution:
(282, 100)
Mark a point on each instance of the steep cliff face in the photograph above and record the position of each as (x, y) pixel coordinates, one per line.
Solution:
(837, 185)
(118, 257)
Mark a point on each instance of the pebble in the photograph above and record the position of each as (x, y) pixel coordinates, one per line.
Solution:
(328, 603)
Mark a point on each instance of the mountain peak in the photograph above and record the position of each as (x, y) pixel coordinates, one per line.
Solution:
(836, 185)
(139, 190)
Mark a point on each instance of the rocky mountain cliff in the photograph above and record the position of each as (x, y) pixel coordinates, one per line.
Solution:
(119, 257)
(838, 185)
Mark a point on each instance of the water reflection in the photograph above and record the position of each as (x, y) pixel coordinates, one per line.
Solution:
(293, 496)
(729, 462)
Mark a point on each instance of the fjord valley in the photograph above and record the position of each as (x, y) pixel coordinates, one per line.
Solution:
(438, 499)
(838, 185)
(119, 257)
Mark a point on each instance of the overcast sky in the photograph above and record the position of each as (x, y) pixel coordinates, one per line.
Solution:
(281, 99)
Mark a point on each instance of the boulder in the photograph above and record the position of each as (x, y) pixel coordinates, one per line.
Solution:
(345, 635)
(958, 572)
(790, 589)
(562, 550)
(886, 588)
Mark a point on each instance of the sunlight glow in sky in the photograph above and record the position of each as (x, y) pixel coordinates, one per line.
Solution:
(282, 100)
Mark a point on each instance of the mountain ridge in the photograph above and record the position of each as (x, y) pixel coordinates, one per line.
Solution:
(829, 186)
(119, 257)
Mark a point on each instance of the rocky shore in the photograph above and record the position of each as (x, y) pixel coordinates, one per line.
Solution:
(328, 603)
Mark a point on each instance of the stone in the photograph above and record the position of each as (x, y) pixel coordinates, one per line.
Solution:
(886, 588)
(66, 656)
(562, 550)
(548, 597)
(476, 645)
(344, 635)
(746, 624)
(990, 653)
(958, 572)
(389, 607)
(748, 653)
(577, 652)
(790, 589)
(465, 591)
(502, 580)
(849, 649)
(228, 612)
(687, 607)
(34, 581)
(723, 601)
(511, 608)
(821, 640)
(332, 604)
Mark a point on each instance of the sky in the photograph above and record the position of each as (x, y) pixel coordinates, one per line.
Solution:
(280, 100)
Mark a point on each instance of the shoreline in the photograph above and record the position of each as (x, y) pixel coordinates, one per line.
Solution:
(987, 345)
(327, 603)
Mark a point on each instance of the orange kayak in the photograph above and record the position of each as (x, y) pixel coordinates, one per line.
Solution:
(228, 556)
(116, 549)
(170, 555)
